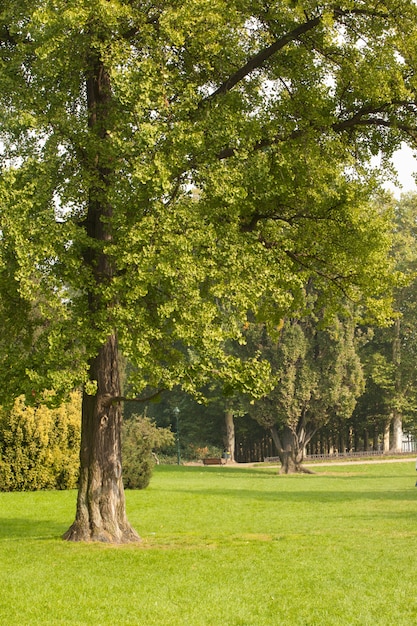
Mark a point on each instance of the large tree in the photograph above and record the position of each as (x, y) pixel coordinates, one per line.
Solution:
(317, 375)
(390, 353)
(161, 158)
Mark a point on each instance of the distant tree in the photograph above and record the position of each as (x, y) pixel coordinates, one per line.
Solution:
(390, 355)
(404, 329)
(318, 374)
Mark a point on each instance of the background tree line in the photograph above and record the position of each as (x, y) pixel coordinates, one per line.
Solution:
(339, 384)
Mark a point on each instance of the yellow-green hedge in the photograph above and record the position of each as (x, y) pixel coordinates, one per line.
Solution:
(39, 447)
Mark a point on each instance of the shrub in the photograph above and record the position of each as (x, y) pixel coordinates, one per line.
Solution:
(39, 447)
(140, 438)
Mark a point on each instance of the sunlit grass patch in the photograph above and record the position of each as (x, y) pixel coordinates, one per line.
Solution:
(222, 546)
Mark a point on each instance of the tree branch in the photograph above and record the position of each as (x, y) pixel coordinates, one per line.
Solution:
(336, 280)
(362, 117)
(259, 59)
(149, 398)
(256, 217)
(359, 119)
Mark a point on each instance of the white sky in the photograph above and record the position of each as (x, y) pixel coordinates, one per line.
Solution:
(405, 162)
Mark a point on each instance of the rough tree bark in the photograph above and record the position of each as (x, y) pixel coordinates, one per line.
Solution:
(101, 513)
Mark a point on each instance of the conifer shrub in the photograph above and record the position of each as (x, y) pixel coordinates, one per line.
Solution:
(141, 438)
(39, 446)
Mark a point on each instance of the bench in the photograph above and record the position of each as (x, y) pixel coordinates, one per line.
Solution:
(213, 461)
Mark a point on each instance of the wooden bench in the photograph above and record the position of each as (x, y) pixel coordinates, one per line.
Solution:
(213, 461)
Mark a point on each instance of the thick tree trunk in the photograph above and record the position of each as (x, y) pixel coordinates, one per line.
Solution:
(290, 452)
(101, 512)
(230, 434)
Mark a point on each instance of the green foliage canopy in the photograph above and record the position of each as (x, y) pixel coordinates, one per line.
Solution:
(317, 372)
(231, 143)
(390, 353)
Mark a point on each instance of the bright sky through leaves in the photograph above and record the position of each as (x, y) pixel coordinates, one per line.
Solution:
(406, 166)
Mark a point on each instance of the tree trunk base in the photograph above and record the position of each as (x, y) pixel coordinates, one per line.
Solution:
(81, 532)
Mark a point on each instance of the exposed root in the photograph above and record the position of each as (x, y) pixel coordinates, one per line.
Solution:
(79, 532)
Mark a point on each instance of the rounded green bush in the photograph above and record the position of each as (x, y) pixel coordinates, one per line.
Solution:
(140, 438)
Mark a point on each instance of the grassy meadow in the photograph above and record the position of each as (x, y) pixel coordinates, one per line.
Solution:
(223, 546)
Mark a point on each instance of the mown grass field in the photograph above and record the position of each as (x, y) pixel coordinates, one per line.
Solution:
(223, 546)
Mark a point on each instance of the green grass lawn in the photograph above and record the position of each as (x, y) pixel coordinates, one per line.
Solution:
(223, 546)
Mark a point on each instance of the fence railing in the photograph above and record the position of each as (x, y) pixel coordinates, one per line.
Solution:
(342, 455)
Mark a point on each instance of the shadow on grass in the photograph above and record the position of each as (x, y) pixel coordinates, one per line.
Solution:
(306, 497)
(303, 488)
(342, 472)
(223, 470)
(19, 528)
(296, 488)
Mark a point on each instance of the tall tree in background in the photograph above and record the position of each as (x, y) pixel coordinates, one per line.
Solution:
(390, 354)
(111, 112)
(317, 375)
(404, 344)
